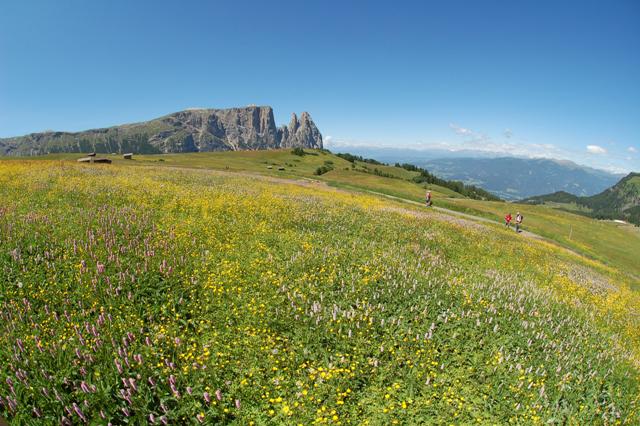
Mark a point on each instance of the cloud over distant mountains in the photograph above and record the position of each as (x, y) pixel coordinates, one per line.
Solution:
(510, 144)
(461, 130)
(595, 149)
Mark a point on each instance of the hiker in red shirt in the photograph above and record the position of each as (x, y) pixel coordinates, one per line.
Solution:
(507, 220)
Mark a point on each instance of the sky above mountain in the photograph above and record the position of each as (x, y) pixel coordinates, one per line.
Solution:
(531, 78)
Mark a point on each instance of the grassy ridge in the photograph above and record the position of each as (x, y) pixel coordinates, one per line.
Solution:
(183, 296)
(618, 202)
(614, 244)
(607, 242)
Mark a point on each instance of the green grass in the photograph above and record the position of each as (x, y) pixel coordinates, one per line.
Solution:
(267, 163)
(130, 293)
(617, 246)
(602, 240)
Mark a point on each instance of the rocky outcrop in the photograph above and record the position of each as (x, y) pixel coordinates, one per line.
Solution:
(303, 133)
(193, 130)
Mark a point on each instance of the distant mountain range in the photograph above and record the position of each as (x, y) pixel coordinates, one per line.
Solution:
(510, 178)
(621, 201)
(192, 130)
(515, 178)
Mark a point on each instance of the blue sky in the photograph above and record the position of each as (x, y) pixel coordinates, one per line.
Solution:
(553, 79)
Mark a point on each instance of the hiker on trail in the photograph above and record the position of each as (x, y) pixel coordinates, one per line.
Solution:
(507, 220)
(428, 201)
(519, 219)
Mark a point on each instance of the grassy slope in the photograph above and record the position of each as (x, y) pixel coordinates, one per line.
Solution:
(608, 242)
(615, 245)
(280, 291)
(605, 241)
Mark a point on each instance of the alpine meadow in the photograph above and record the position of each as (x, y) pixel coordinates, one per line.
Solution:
(151, 294)
(296, 213)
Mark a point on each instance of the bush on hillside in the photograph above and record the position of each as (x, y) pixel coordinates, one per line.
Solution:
(322, 170)
(298, 151)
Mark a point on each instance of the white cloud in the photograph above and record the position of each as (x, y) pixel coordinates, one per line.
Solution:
(481, 142)
(595, 149)
(461, 130)
(327, 140)
(516, 146)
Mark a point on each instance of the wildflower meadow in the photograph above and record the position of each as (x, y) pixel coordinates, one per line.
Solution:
(150, 295)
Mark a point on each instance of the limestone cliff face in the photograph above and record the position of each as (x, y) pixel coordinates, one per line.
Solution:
(303, 133)
(194, 130)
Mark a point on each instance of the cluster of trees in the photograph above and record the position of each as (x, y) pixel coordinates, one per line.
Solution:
(424, 176)
(353, 158)
(618, 202)
(470, 191)
(326, 167)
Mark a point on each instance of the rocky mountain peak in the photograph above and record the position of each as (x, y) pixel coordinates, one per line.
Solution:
(192, 130)
(300, 132)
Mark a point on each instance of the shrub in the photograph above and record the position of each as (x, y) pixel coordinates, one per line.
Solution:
(322, 170)
(298, 151)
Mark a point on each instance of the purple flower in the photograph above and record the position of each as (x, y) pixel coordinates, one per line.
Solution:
(218, 394)
(174, 390)
(207, 397)
(79, 412)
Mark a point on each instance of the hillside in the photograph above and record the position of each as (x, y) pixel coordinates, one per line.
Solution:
(516, 178)
(610, 243)
(621, 201)
(193, 130)
(511, 178)
(147, 290)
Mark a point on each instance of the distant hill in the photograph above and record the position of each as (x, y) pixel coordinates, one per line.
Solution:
(621, 201)
(515, 178)
(510, 178)
(193, 130)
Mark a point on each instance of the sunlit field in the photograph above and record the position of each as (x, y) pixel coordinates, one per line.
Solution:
(604, 241)
(148, 294)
